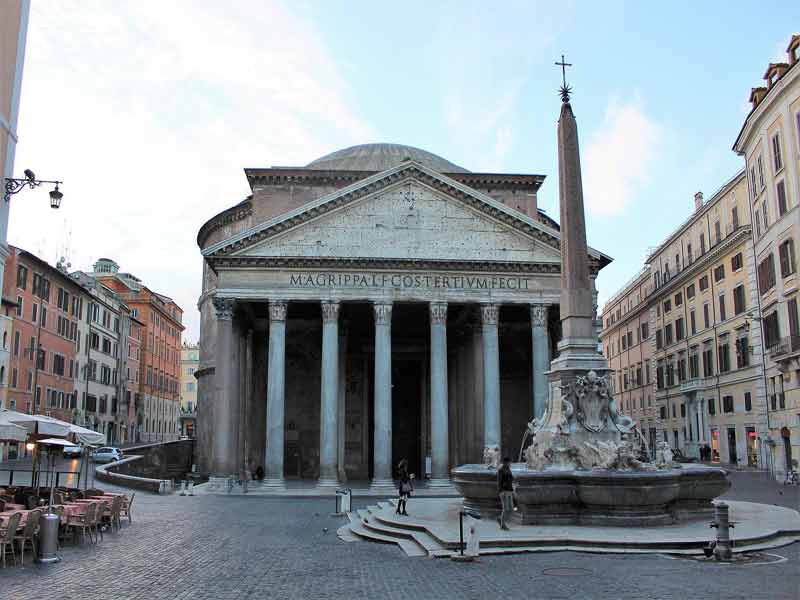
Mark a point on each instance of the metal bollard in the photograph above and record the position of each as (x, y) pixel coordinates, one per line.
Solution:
(722, 550)
(191, 488)
(183, 487)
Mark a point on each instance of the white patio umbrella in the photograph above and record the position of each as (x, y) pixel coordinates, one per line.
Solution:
(37, 424)
(11, 432)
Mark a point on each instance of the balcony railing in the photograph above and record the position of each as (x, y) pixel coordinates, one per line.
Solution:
(693, 385)
(784, 345)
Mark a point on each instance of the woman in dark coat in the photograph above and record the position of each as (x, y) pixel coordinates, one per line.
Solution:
(404, 488)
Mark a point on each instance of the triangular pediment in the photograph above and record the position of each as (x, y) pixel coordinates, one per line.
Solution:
(406, 213)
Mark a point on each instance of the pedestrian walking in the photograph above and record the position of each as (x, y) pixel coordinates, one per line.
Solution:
(405, 487)
(505, 487)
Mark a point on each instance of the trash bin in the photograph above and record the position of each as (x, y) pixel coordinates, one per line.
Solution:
(343, 501)
(48, 538)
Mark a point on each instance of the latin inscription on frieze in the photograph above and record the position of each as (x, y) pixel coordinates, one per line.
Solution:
(324, 279)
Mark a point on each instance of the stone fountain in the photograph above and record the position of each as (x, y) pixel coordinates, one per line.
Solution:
(587, 462)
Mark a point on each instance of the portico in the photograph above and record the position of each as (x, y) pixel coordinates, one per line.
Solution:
(404, 316)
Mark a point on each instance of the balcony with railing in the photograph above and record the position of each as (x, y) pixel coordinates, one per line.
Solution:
(695, 384)
(784, 347)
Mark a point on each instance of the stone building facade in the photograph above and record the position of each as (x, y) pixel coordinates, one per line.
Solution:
(190, 363)
(158, 319)
(769, 141)
(685, 336)
(379, 303)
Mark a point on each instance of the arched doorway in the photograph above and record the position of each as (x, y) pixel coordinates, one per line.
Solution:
(786, 436)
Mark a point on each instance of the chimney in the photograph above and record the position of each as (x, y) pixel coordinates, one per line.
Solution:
(698, 200)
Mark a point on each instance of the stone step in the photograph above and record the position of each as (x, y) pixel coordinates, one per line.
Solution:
(421, 538)
(345, 534)
(410, 547)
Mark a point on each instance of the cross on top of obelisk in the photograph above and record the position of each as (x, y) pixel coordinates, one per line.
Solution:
(565, 89)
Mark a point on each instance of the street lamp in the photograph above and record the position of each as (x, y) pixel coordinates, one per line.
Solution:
(15, 185)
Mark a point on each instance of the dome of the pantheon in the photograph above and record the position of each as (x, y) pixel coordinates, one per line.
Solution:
(379, 157)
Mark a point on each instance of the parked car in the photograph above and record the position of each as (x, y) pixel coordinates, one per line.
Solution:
(73, 451)
(106, 455)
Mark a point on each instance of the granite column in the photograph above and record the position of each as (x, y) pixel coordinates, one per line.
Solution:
(382, 439)
(440, 475)
(275, 395)
(491, 376)
(329, 400)
(541, 357)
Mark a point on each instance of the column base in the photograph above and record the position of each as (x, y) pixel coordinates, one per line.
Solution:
(327, 483)
(440, 482)
(384, 486)
(275, 483)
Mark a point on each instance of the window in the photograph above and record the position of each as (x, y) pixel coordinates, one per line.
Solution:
(719, 273)
(682, 368)
(679, 329)
(706, 319)
(736, 262)
(735, 217)
(678, 299)
(689, 253)
(708, 362)
(659, 339)
(692, 323)
(34, 313)
(786, 257)
(780, 188)
(766, 274)
(683, 410)
(694, 365)
(58, 364)
(712, 406)
(748, 402)
(722, 315)
(753, 187)
(22, 277)
(739, 304)
(690, 292)
(645, 331)
(662, 412)
(758, 223)
(19, 306)
(771, 330)
(760, 165)
(727, 404)
(723, 358)
(667, 306)
(16, 343)
(742, 353)
(668, 334)
(765, 215)
(794, 324)
(717, 232)
(704, 283)
(777, 159)
(702, 243)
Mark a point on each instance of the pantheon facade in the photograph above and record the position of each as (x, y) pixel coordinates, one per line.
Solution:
(379, 303)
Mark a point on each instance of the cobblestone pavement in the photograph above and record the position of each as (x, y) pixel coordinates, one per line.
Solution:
(256, 547)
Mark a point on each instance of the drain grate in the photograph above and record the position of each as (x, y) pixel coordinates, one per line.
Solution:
(567, 572)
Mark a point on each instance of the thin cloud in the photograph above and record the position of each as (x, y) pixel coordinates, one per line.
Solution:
(149, 116)
(619, 157)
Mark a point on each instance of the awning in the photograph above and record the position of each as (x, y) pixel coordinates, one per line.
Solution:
(37, 424)
(10, 432)
(87, 436)
(55, 442)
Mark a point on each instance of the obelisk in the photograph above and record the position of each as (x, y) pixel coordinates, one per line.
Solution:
(578, 348)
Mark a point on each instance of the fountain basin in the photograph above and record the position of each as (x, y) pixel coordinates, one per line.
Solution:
(597, 496)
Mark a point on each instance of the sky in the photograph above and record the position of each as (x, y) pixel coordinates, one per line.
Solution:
(149, 111)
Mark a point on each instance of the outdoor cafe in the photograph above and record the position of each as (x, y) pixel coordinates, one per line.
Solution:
(39, 515)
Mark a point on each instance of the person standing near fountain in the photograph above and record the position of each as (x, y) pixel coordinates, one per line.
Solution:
(505, 487)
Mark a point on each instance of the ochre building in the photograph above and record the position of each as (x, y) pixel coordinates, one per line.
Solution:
(379, 303)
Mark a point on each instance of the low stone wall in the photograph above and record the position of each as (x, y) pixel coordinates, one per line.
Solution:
(150, 467)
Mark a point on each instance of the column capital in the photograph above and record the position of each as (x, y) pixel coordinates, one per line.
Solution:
(383, 313)
(330, 311)
(489, 313)
(438, 312)
(277, 310)
(539, 315)
(224, 308)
